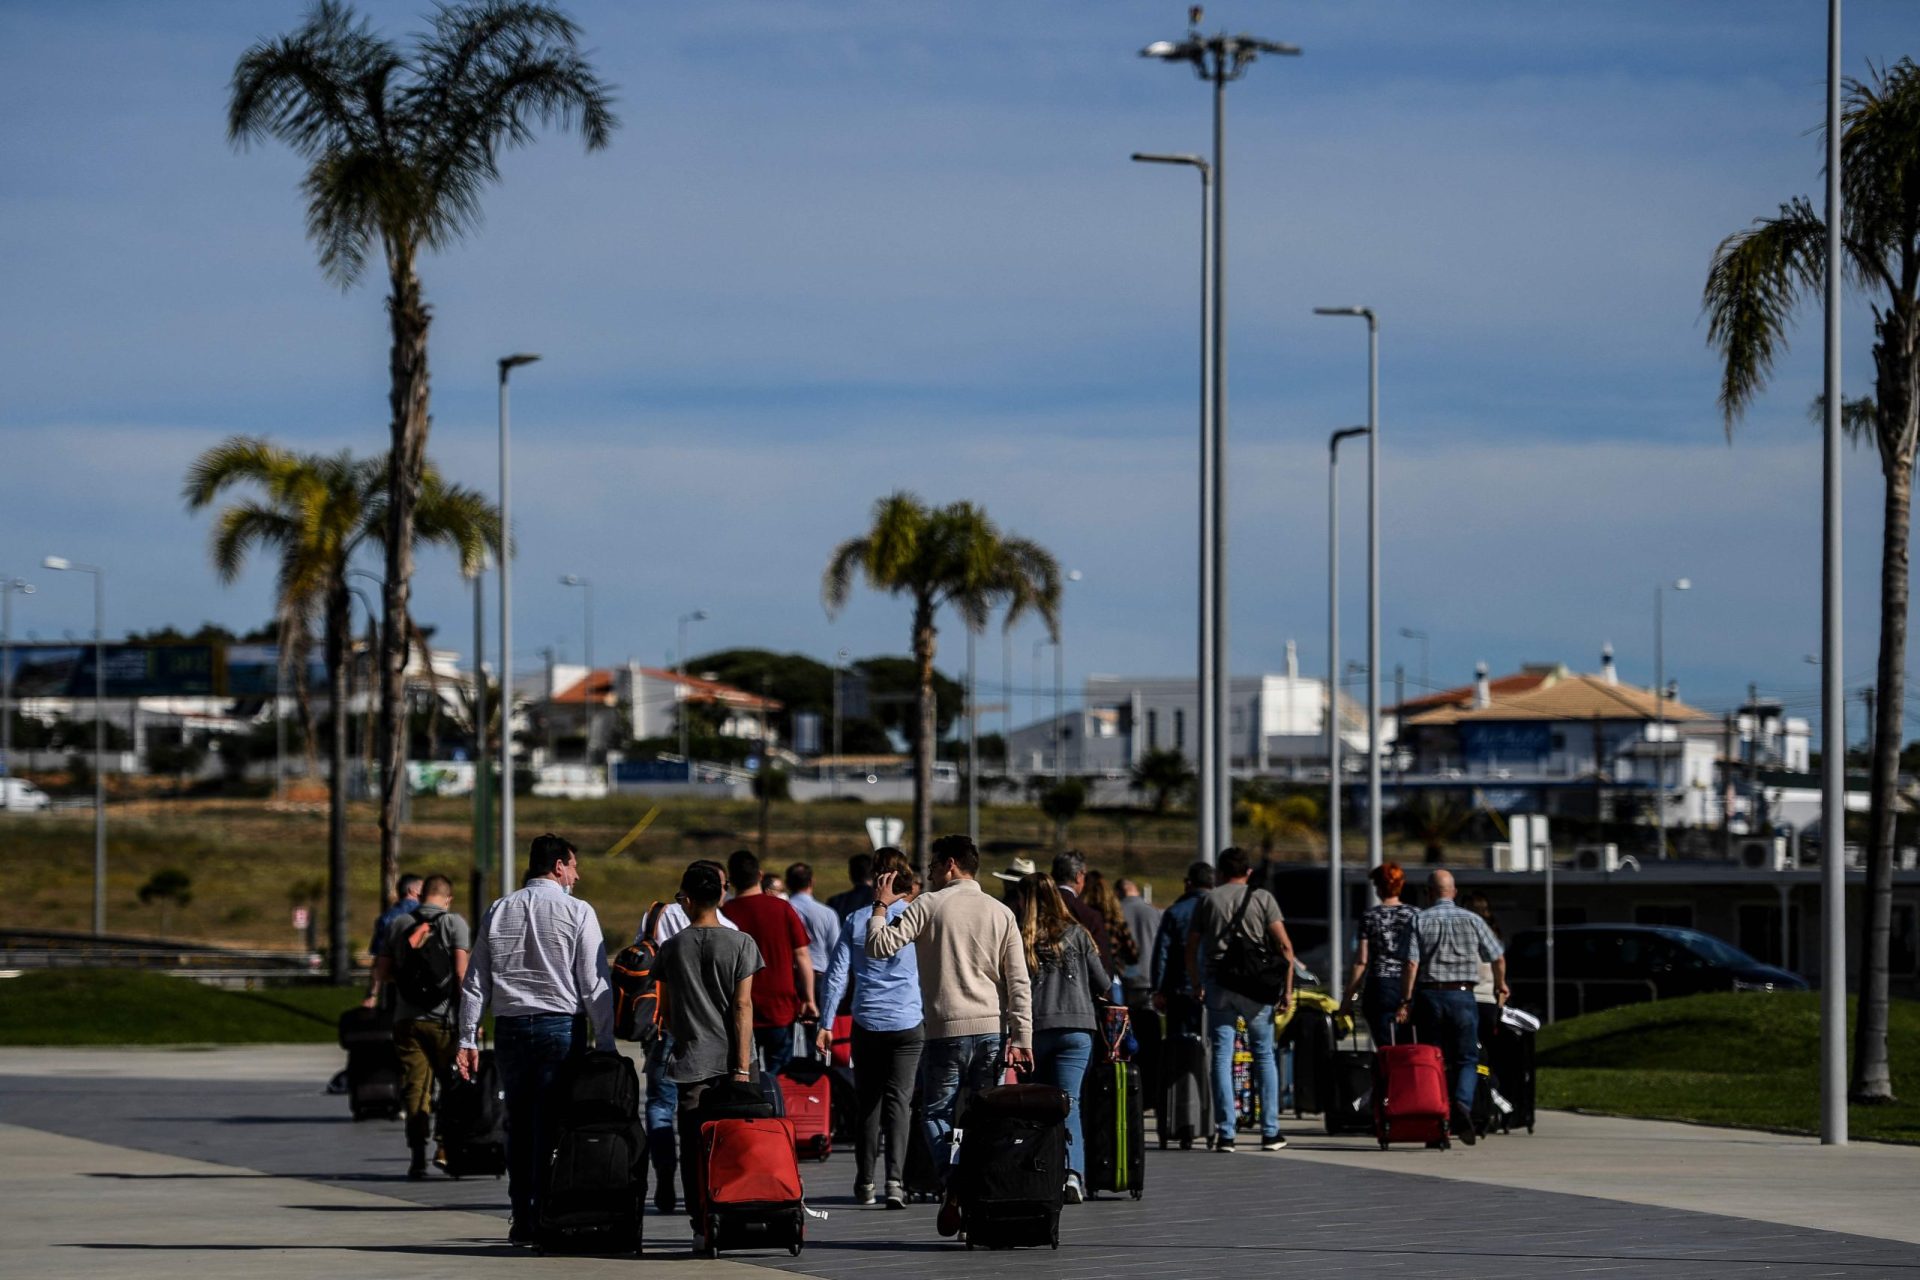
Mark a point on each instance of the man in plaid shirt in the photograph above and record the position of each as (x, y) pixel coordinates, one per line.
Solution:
(1443, 962)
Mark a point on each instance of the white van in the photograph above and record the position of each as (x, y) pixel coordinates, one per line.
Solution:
(19, 794)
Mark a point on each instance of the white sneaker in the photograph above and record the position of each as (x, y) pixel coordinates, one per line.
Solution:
(1075, 1192)
(863, 1193)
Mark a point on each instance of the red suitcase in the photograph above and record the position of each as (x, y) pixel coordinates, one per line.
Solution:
(806, 1086)
(1410, 1098)
(751, 1191)
(843, 1042)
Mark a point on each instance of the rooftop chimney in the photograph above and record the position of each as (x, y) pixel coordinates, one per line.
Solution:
(1293, 661)
(1482, 691)
(1607, 672)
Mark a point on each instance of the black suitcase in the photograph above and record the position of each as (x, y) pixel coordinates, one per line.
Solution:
(1187, 1114)
(599, 1087)
(1510, 1054)
(595, 1189)
(373, 1081)
(919, 1175)
(472, 1122)
(1010, 1179)
(1310, 1032)
(1114, 1123)
(1149, 1031)
(1349, 1091)
(364, 1028)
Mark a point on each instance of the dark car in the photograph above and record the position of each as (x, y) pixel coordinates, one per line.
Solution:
(1598, 966)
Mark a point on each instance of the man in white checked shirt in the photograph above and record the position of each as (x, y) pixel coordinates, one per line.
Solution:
(540, 961)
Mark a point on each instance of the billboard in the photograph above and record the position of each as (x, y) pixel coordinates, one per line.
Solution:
(152, 670)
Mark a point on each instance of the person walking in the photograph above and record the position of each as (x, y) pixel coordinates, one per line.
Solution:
(1172, 983)
(423, 963)
(1122, 950)
(540, 961)
(706, 974)
(1443, 964)
(888, 1035)
(1067, 980)
(1242, 965)
(783, 987)
(860, 896)
(974, 989)
(823, 930)
(406, 901)
(1070, 878)
(1380, 961)
(1143, 923)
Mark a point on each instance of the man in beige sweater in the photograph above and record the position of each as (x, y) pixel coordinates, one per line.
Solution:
(974, 987)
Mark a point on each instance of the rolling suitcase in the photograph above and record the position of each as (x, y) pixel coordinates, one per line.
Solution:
(1187, 1113)
(596, 1186)
(1349, 1089)
(1411, 1103)
(752, 1196)
(1011, 1174)
(1151, 1035)
(373, 1082)
(920, 1175)
(1113, 1122)
(806, 1091)
(471, 1122)
(599, 1086)
(1511, 1056)
(1310, 1033)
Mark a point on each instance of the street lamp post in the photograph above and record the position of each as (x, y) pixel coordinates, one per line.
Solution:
(1219, 59)
(1414, 633)
(1660, 706)
(482, 766)
(1335, 897)
(1375, 838)
(839, 674)
(61, 563)
(1208, 675)
(9, 588)
(586, 585)
(507, 365)
(1059, 697)
(680, 709)
(1833, 696)
(973, 746)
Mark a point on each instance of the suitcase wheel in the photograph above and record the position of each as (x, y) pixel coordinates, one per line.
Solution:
(1136, 1193)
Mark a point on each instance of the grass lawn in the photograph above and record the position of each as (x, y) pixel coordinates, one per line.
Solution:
(117, 1007)
(1748, 1060)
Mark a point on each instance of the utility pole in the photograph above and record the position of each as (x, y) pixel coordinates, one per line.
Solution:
(766, 771)
(1754, 807)
(1726, 788)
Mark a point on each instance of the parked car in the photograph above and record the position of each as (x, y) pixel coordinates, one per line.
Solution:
(1599, 966)
(18, 793)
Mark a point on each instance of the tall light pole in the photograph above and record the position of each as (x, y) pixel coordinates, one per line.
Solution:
(1208, 675)
(1375, 839)
(1335, 898)
(482, 766)
(507, 365)
(1059, 697)
(9, 588)
(680, 710)
(973, 746)
(1219, 59)
(575, 580)
(1660, 705)
(1414, 633)
(62, 564)
(1833, 695)
(839, 674)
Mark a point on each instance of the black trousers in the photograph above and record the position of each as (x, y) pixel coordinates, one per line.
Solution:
(884, 1066)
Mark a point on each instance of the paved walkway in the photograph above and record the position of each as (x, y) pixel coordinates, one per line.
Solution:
(110, 1156)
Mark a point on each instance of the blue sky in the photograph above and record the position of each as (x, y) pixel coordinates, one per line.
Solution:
(842, 249)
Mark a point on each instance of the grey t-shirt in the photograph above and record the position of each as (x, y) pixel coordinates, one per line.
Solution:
(1217, 912)
(701, 969)
(458, 937)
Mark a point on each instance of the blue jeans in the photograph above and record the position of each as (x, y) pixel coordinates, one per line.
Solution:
(1379, 1002)
(947, 1066)
(1060, 1059)
(776, 1047)
(663, 1104)
(530, 1051)
(1451, 1020)
(1222, 1008)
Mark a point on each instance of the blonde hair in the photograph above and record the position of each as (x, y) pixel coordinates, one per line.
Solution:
(1102, 898)
(1044, 919)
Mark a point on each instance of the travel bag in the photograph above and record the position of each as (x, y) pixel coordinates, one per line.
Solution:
(806, 1090)
(1113, 1122)
(596, 1187)
(1151, 1036)
(1010, 1177)
(1510, 1054)
(599, 1087)
(362, 1028)
(1348, 1088)
(1310, 1033)
(1187, 1113)
(1411, 1101)
(471, 1122)
(920, 1176)
(751, 1193)
(373, 1082)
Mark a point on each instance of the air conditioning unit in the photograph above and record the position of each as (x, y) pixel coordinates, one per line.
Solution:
(1909, 858)
(1769, 854)
(1500, 857)
(1596, 857)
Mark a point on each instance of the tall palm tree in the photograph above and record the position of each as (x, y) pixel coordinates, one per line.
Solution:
(315, 511)
(952, 555)
(402, 145)
(1758, 279)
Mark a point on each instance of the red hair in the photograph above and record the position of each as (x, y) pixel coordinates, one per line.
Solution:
(1388, 879)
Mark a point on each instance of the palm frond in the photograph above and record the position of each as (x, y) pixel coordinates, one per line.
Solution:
(1757, 278)
(301, 87)
(243, 527)
(456, 517)
(1880, 173)
(236, 460)
(846, 562)
(1859, 417)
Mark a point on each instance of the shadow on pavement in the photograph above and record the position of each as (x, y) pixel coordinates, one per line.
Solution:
(474, 1249)
(248, 1173)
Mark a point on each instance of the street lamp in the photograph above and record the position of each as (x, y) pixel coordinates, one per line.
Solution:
(9, 588)
(1414, 633)
(839, 674)
(1375, 840)
(63, 565)
(1059, 698)
(680, 690)
(1335, 952)
(575, 580)
(1219, 59)
(1208, 674)
(507, 365)
(1833, 694)
(1660, 705)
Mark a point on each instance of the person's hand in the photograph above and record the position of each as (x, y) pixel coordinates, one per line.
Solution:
(1400, 1014)
(1159, 1002)
(824, 1042)
(466, 1062)
(1199, 990)
(1500, 993)
(371, 1002)
(1020, 1059)
(883, 894)
(1346, 1006)
(809, 1012)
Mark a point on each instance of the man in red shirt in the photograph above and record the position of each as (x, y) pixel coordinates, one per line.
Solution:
(778, 1002)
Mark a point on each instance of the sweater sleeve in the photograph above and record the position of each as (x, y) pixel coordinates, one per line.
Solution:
(1016, 986)
(1099, 980)
(886, 937)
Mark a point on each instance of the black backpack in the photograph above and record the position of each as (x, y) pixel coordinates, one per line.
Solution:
(1249, 968)
(636, 991)
(424, 971)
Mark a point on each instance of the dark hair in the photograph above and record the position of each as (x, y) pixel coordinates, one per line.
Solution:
(960, 849)
(1388, 879)
(1234, 862)
(893, 860)
(548, 852)
(1068, 867)
(701, 884)
(860, 867)
(435, 886)
(799, 877)
(1200, 875)
(406, 882)
(1478, 904)
(743, 870)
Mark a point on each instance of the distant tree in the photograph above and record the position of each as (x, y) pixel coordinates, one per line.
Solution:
(180, 759)
(1293, 819)
(1163, 773)
(170, 888)
(1062, 801)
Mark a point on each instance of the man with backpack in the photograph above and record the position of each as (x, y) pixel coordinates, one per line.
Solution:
(1241, 963)
(422, 961)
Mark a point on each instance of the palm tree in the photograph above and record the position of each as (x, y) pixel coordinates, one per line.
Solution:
(952, 555)
(401, 146)
(1758, 279)
(1295, 819)
(1161, 771)
(316, 511)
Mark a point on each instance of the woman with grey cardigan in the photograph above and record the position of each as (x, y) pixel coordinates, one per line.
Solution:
(1067, 979)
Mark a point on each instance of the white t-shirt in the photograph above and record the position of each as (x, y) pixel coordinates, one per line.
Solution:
(672, 921)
